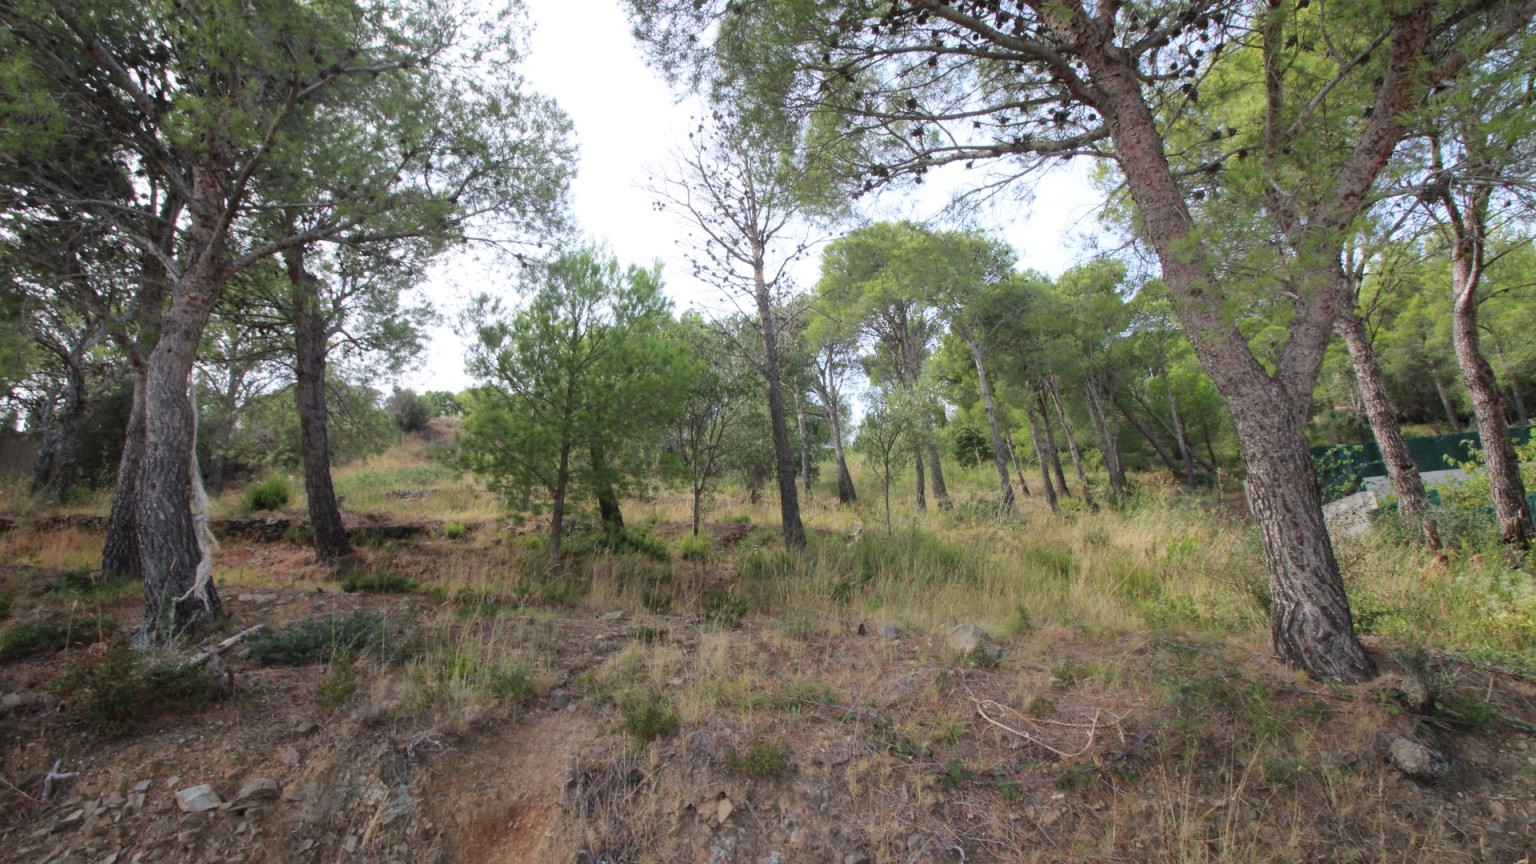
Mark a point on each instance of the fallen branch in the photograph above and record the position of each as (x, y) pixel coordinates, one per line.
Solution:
(207, 653)
(54, 776)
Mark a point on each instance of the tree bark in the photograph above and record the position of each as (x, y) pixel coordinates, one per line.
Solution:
(1045, 468)
(1077, 454)
(120, 552)
(609, 509)
(999, 449)
(1146, 434)
(784, 464)
(557, 507)
(845, 490)
(1413, 502)
(1051, 450)
(1501, 461)
(936, 471)
(310, 327)
(1445, 399)
(917, 465)
(1185, 452)
(1018, 469)
(1107, 436)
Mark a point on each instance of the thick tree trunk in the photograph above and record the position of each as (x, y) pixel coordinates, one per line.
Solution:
(47, 448)
(1522, 416)
(1499, 455)
(1077, 453)
(1051, 450)
(936, 472)
(120, 552)
(310, 336)
(999, 449)
(1413, 502)
(1446, 404)
(174, 599)
(784, 459)
(608, 508)
(1045, 468)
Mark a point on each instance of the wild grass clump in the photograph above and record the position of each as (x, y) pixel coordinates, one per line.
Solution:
(38, 637)
(647, 716)
(270, 493)
(322, 640)
(761, 760)
(455, 530)
(116, 689)
(694, 547)
(363, 580)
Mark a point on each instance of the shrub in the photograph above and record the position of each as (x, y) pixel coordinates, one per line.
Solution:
(722, 609)
(338, 685)
(321, 640)
(365, 581)
(693, 547)
(760, 761)
(410, 411)
(36, 637)
(455, 530)
(114, 690)
(648, 716)
(271, 493)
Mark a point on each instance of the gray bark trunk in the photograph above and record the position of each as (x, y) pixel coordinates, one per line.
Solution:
(1077, 453)
(1051, 450)
(805, 450)
(1045, 468)
(1413, 502)
(310, 336)
(917, 467)
(845, 490)
(1185, 452)
(784, 459)
(1107, 436)
(557, 507)
(1018, 469)
(120, 552)
(936, 471)
(999, 449)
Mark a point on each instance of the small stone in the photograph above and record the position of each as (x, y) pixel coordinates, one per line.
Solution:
(351, 844)
(141, 786)
(615, 615)
(558, 700)
(856, 858)
(197, 799)
(306, 727)
(173, 781)
(288, 756)
(135, 800)
(1418, 761)
(723, 810)
(258, 789)
(974, 644)
(889, 631)
(67, 823)
(1407, 690)
(10, 702)
(113, 800)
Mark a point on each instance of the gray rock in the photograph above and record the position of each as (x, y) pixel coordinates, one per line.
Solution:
(615, 615)
(974, 644)
(559, 699)
(306, 727)
(142, 786)
(856, 858)
(68, 822)
(1407, 690)
(889, 631)
(258, 789)
(198, 799)
(1418, 761)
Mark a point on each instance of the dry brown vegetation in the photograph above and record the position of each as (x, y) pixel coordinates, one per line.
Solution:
(678, 701)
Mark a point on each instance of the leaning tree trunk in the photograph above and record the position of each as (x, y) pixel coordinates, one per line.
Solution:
(1107, 436)
(1051, 450)
(936, 473)
(330, 534)
(1077, 453)
(784, 459)
(176, 598)
(120, 552)
(1045, 469)
(1185, 451)
(1018, 469)
(999, 449)
(845, 491)
(1446, 404)
(1412, 501)
(1502, 463)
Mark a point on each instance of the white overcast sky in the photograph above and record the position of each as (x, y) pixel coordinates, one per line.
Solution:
(627, 124)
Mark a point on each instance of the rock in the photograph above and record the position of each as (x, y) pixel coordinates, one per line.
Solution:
(306, 727)
(1406, 690)
(1418, 761)
(351, 844)
(10, 702)
(889, 631)
(198, 799)
(972, 643)
(616, 615)
(68, 822)
(724, 810)
(258, 789)
(142, 786)
(856, 858)
(288, 756)
(559, 699)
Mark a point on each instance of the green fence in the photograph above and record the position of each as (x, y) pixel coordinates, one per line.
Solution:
(1340, 467)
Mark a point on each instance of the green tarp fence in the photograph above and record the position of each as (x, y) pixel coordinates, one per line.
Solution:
(1341, 466)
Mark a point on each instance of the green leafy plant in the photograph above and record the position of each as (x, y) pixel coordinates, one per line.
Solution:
(455, 530)
(271, 493)
(761, 760)
(116, 689)
(37, 637)
(648, 715)
(693, 547)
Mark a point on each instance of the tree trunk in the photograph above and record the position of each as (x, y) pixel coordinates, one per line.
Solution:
(1045, 468)
(218, 463)
(698, 506)
(1107, 436)
(608, 507)
(936, 472)
(1051, 450)
(1178, 429)
(1018, 469)
(175, 600)
(310, 337)
(805, 450)
(1077, 454)
(1413, 502)
(845, 491)
(1146, 434)
(999, 450)
(557, 507)
(784, 464)
(120, 552)
(917, 465)
(1522, 416)
(1499, 455)
(1445, 398)
(47, 449)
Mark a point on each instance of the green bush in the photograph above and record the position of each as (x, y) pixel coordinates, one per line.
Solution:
(693, 547)
(115, 690)
(760, 761)
(410, 411)
(272, 493)
(339, 684)
(363, 580)
(321, 640)
(648, 716)
(36, 637)
(455, 530)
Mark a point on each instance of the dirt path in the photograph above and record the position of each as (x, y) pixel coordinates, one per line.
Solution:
(503, 797)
